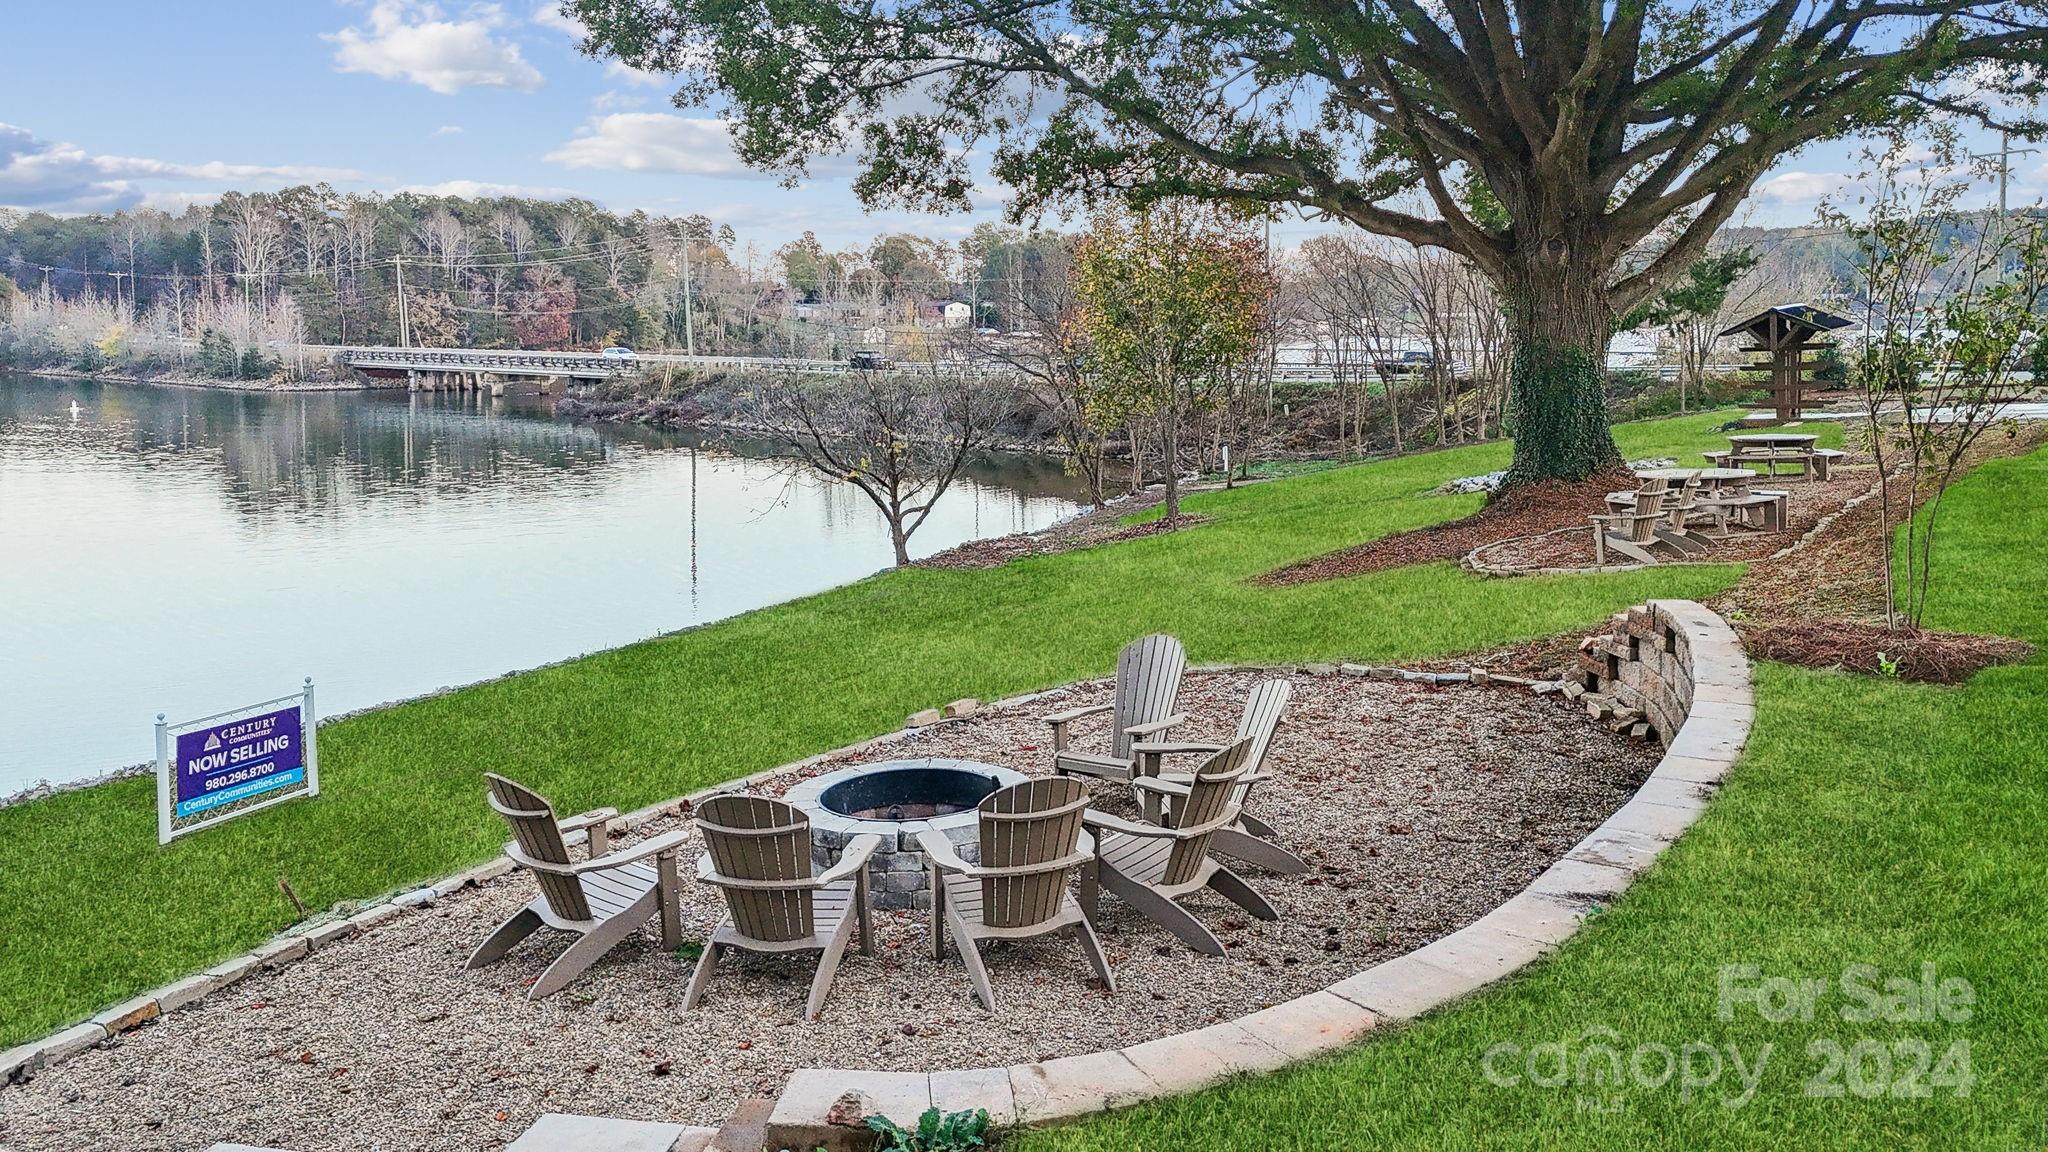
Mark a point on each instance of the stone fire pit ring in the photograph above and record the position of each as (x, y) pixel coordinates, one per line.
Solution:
(858, 801)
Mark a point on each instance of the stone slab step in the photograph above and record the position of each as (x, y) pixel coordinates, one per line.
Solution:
(563, 1132)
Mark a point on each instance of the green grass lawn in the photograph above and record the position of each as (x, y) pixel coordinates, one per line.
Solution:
(93, 911)
(1870, 821)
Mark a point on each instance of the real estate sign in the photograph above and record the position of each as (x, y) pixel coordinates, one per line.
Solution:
(232, 763)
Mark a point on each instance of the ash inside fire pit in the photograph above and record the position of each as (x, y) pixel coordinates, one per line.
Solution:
(917, 792)
(897, 800)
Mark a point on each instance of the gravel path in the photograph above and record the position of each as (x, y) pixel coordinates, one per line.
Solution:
(1420, 808)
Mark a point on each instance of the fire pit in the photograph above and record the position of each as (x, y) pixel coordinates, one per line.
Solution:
(896, 800)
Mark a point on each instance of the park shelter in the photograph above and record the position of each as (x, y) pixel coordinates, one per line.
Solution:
(1786, 341)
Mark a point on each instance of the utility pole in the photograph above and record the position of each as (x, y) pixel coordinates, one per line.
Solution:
(404, 332)
(689, 321)
(2004, 157)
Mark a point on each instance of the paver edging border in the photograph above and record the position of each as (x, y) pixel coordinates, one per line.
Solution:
(1698, 755)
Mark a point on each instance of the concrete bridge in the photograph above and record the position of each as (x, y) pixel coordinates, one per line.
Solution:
(486, 368)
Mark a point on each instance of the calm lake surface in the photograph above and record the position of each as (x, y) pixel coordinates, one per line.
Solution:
(187, 550)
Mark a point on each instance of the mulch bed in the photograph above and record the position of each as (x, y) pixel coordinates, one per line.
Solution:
(1806, 503)
(1096, 526)
(1419, 807)
(1929, 657)
(1822, 606)
(1523, 511)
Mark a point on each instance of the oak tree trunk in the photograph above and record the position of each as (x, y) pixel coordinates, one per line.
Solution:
(1559, 323)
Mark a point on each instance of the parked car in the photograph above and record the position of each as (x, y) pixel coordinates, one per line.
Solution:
(616, 353)
(871, 361)
(1406, 363)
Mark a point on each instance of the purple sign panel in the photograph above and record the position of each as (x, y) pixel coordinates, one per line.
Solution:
(223, 763)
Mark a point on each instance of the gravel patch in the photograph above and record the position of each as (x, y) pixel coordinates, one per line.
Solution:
(1419, 807)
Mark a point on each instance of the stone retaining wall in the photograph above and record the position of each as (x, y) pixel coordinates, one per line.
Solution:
(1644, 665)
(1690, 665)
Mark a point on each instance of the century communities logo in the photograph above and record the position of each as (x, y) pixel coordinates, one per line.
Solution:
(238, 744)
(1898, 1061)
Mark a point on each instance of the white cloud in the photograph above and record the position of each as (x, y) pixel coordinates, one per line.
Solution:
(620, 70)
(1802, 187)
(411, 40)
(55, 177)
(474, 189)
(612, 100)
(176, 202)
(549, 15)
(654, 142)
(448, 130)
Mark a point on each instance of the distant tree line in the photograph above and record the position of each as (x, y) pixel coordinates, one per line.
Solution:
(314, 265)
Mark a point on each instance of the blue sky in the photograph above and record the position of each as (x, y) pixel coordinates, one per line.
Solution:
(116, 102)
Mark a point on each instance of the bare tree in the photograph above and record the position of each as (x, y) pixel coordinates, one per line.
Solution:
(900, 437)
(1341, 286)
(445, 239)
(513, 232)
(1042, 347)
(255, 237)
(570, 230)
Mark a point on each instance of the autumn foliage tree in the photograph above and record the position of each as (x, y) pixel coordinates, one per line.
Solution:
(1170, 303)
(547, 308)
(1581, 155)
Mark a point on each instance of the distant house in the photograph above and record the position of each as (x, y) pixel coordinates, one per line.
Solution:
(875, 337)
(1633, 349)
(957, 315)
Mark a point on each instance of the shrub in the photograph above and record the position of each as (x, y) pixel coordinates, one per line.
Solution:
(935, 1132)
(217, 355)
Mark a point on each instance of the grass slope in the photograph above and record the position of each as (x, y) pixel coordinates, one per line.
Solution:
(93, 911)
(1870, 821)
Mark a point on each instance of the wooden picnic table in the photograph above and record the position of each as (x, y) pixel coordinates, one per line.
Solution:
(1772, 449)
(1722, 493)
(1727, 478)
(1775, 439)
(1718, 478)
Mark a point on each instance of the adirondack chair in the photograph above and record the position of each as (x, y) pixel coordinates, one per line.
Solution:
(758, 852)
(1657, 523)
(1148, 673)
(1031, 843)
(1153, 866)
(1251, 839)
(602, 899)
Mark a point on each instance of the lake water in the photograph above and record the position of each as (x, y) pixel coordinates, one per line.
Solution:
(187, 550)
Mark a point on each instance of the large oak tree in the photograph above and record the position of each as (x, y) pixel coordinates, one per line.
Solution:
(1581, 153)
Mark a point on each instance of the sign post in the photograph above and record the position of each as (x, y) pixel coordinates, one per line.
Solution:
(235, 762)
